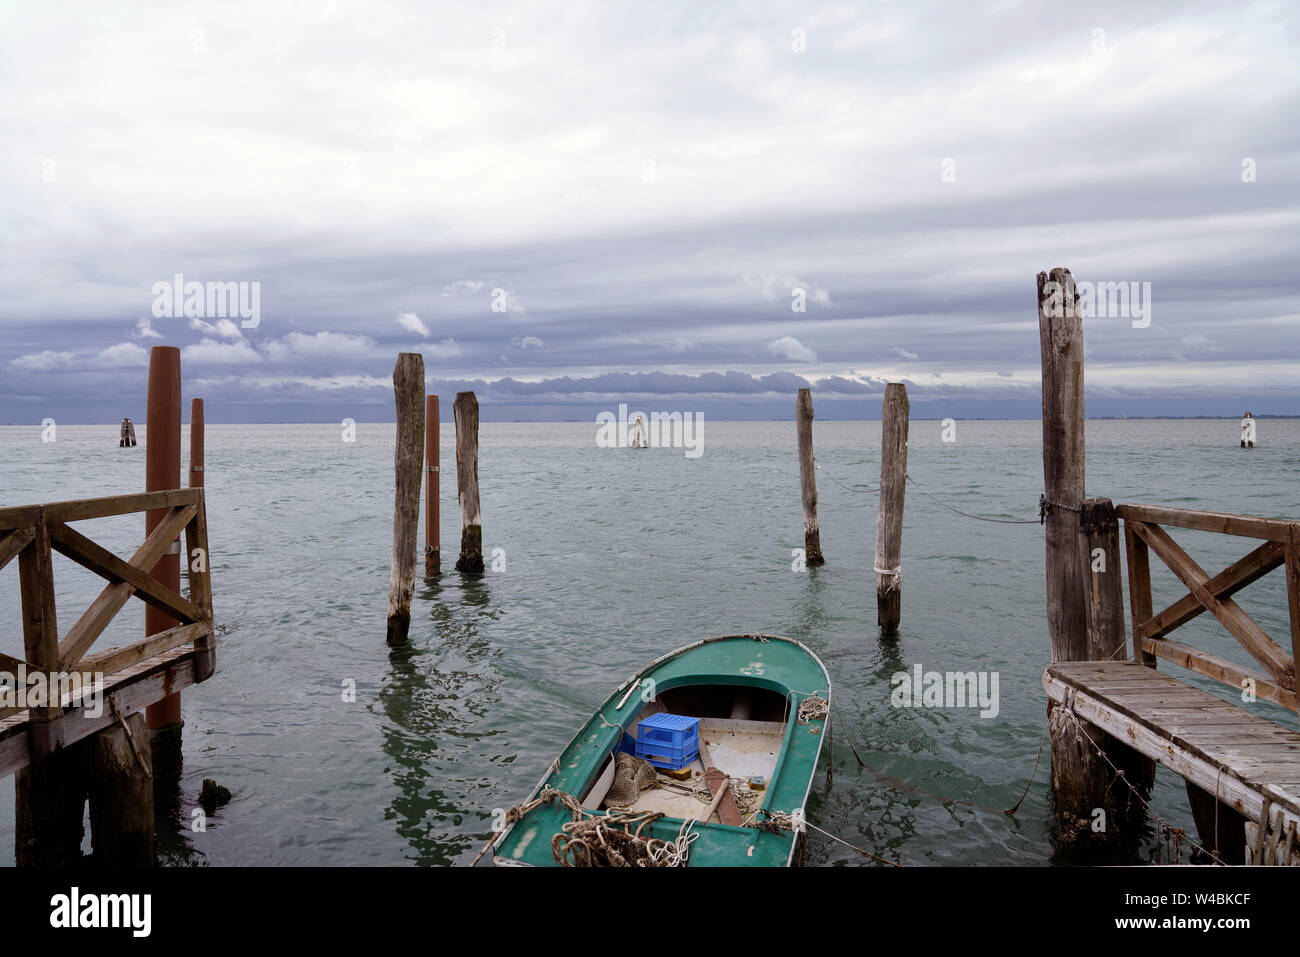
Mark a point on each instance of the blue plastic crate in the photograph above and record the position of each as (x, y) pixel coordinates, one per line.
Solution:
(669, 741)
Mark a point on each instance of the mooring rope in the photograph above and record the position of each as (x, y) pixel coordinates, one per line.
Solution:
(1161, 823)
(979, 518)
(850, 488)
(885, 778)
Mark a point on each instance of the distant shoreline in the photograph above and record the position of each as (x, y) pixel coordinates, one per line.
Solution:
(914, 418)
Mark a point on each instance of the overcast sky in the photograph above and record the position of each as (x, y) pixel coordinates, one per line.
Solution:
(643, 185)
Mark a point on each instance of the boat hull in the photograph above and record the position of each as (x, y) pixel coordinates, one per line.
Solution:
(768, 663)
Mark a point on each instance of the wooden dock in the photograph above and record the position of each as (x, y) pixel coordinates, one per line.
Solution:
(1238, 759)
(57, 744)
(1247, 762)
(1112, 713)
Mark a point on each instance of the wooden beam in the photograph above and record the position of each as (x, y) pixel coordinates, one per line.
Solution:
(1105, 579)
(14, 542)
(1240, 625)
(1293, 588)
(1246, 526)
(18, 516)
(85, 508)
(115, 659)
(135, 688)
(199, 575)
(104, 563)
(1139, 588)
(40, 629)
(1220, 669)
(101, 611)
(1228, 582)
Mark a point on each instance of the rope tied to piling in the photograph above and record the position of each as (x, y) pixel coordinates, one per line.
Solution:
(893, 577)
(979, 518)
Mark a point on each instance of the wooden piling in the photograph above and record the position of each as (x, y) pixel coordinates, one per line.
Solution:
(803, 416)
(50, 806)
(889, 519)
(1107, 638)
(432, 532)
(408, 394)
(127, 437)
(121, 794)
(1085, 616)
(465, 409)
(163, 472)
(205, 663)
(1100, 525)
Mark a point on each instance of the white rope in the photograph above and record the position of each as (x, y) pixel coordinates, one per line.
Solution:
(675, 853)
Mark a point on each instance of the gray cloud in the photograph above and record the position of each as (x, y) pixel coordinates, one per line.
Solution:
(646, 233)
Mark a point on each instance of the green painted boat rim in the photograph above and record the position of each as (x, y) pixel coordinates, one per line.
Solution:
(630, 683)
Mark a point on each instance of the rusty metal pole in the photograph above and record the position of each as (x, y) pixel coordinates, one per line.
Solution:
(163, 472)
(432, 534)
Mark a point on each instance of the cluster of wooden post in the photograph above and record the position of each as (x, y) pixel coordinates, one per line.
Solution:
(416, 446)
(1085, 606)
(127, 437)
(893, 486)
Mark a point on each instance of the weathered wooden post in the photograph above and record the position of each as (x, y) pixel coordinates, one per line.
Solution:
(50, 793)
(408, 393)
(812, 538)
(465, 409)
(127, 437)
(163, 473)
(1100, 526)
(121, 794)
(432, 532)
(196, 558)
(889, 520)
(1085, 614)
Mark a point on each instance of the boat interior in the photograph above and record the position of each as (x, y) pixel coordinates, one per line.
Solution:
(741, 729)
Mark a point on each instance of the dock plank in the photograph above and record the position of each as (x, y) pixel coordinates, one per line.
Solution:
(1242, 756)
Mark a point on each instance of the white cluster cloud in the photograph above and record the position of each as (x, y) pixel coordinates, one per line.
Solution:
(222, 328)
(788, 347)
(123, 355)
(144, 330)
(413, 323)
(43, 361)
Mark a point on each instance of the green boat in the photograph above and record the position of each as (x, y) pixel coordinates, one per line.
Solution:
(762, 702)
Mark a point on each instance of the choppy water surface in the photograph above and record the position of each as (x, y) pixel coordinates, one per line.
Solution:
(608, 559)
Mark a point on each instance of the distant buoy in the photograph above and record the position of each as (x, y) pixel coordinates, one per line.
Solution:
(127, 437)
(1247, 431)
(639, 439)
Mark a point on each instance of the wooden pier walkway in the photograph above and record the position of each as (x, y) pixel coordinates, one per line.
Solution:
(76, 723)
(1245, 760)
(1240, 758)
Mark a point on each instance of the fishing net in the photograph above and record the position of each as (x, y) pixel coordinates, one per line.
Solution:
(632, 775)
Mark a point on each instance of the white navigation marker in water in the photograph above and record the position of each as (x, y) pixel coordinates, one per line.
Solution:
(639, 438)
(1247, 431)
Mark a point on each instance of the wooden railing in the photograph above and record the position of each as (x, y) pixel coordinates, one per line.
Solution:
(1143, 533)
(32, 532)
